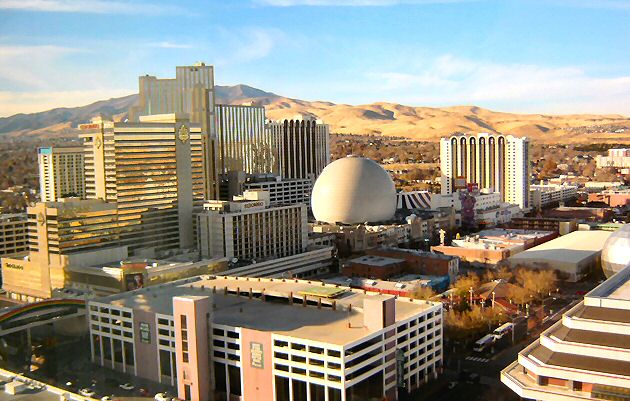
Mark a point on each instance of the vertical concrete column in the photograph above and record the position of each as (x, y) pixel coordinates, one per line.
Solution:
(191, 346)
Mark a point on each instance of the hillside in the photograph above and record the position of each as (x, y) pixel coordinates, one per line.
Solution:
(389, 119)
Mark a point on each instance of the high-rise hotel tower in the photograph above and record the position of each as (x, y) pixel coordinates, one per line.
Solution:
(302, 145)
(146, 169)
(60, 173)
(492, 161)
(190, 92)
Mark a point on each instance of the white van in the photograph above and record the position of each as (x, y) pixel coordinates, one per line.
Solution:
(503, 330)
(487, 341)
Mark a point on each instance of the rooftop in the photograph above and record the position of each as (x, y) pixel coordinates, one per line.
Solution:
(340, 325)
(573, 247)
(376, 261)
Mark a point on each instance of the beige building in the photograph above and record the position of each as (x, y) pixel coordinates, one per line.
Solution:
(585, 356)
(70, 232)
(146, 169)
(496, 162)
(247, 228)
(573, 255)
(191, 92)
(61, 173)
(13, 237)
(302, 145)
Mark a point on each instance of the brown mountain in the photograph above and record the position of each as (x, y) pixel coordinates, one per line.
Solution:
(389, 119)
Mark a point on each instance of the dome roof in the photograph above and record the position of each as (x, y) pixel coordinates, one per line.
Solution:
(353, 190)
(616, 252)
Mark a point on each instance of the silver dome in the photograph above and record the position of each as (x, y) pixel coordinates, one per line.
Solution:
(616, 252)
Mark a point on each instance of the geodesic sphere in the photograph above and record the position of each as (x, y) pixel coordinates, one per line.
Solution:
(616, 252)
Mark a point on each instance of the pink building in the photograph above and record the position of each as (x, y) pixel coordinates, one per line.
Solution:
(230, 338)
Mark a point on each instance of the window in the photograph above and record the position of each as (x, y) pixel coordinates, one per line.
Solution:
(234, 374)
(299, 347)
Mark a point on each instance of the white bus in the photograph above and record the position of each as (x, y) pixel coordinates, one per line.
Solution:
(503, 330)
(487, 341)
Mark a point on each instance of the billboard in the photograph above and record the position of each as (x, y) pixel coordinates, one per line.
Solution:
(134, 281)
(460, 183)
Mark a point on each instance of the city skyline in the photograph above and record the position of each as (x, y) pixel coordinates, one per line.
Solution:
(542, 57)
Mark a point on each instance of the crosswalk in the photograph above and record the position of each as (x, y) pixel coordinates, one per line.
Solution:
(477, 359)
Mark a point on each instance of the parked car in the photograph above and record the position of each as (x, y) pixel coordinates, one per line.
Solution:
(127, 386)
(162, 397)
(87, 392)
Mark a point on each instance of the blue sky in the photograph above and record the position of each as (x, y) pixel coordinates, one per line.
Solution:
(535, 56)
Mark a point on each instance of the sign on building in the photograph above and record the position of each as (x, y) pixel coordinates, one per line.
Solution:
(256, 355)
(400, 367)
(145, 333)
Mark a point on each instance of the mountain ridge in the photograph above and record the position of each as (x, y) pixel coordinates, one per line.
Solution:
(379, 118)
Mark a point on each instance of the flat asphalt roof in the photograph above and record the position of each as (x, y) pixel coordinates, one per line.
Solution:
(376, 261)
(341, 326)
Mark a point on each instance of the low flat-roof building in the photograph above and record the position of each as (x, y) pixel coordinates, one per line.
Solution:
(264, 339)
(585, 356)
(542, 195)
(493, 246)
(612, 197)
(573, 255)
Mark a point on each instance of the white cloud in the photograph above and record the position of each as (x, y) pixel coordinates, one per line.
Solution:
(29, 102)
(355, 3)
(90, 7)
(247, 45)
(449, 80)
(171, 45)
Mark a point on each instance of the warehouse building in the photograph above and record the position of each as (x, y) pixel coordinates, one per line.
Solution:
(573, 256)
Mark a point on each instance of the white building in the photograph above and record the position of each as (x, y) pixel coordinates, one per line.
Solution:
(618, 158)
(585, 356)
(489, 209)
(61, 173)
(283, 191)
(247, 228)
(494, 162)
(542, 195)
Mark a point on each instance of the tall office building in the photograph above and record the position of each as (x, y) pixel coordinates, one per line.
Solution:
(146, 169)
(243, 143)
(12, 234)
(585, 356)
(190, 92)
(302, 145)
(247, 228)
(491, 161)
(61, 173)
